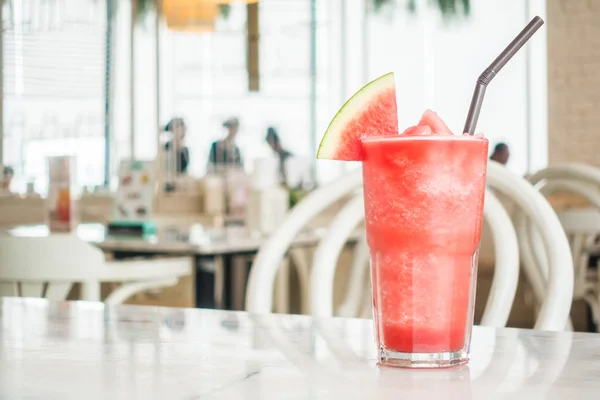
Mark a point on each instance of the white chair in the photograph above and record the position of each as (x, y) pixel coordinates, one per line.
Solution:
(326, 257)
(49, 266)
(576, 178)
(353, 304)
(582, 227)
(259, 293)
(557, 299)
(571, 171)
(506, 274)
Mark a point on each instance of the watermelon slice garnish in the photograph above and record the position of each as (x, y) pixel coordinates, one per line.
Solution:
(372, 111)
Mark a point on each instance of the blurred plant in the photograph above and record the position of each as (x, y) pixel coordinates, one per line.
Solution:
(225, 9)
(448, 8)
(295, 195)
(144, 7)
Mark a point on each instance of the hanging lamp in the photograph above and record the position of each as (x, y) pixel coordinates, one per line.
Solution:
(235, 1)
(190, 15)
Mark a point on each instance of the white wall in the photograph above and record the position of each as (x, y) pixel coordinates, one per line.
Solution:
(437, 62)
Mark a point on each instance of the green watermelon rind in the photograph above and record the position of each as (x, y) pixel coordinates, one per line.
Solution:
(349, 111)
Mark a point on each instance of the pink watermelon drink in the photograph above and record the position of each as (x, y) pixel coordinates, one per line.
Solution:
(424, 192)
(423, 208)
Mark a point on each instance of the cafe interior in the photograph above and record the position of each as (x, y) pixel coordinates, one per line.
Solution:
(168, 231)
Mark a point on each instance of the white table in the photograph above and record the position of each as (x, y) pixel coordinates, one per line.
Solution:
(89, 351)
(232, 246)
(194, 239)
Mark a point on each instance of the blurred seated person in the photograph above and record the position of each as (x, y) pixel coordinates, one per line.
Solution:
(7, 176)
(177, 128)
(178, 154)
(501, 153)
(225, 152)
(274, 142)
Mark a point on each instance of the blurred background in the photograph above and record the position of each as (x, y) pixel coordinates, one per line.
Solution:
(100, 79)
(167, 128)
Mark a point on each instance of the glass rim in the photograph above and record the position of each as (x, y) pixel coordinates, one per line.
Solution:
(401, 138)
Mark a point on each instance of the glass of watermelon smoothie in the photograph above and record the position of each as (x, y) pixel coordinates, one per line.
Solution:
(424, 197)
(424, 191)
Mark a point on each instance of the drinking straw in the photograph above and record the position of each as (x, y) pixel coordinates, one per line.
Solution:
(490, 72)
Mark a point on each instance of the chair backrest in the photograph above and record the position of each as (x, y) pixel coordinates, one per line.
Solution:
(259, 294)
(506, 274)
(581, 172)
(327, 254)
(506, 266)
(580, 179)
(357, 292)
(46, 266)
(557, 299)
(558, 293)
(582, 226)
(535, 210)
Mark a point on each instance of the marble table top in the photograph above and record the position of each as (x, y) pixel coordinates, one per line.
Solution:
(194, 239)
(79, 350)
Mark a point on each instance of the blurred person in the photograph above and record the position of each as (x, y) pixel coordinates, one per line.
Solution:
(7, 176)
(178, 129)
(501, 153)
(225, 152)
(274, 142)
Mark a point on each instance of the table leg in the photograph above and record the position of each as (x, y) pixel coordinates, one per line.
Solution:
(240, 276)
(592, 320)
(90, 291)
(302, 266)
(219, 282)
(282, 287)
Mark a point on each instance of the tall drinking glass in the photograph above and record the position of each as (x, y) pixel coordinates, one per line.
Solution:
(423, 212)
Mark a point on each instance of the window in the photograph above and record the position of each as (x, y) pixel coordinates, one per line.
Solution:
(54, 54)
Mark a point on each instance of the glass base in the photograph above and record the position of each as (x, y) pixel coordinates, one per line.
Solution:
(422, 360)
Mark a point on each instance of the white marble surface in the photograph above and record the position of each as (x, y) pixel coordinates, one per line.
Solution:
(86, 351)
(193, 240)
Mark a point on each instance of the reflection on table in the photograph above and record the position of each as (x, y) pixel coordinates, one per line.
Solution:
(86, 350)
